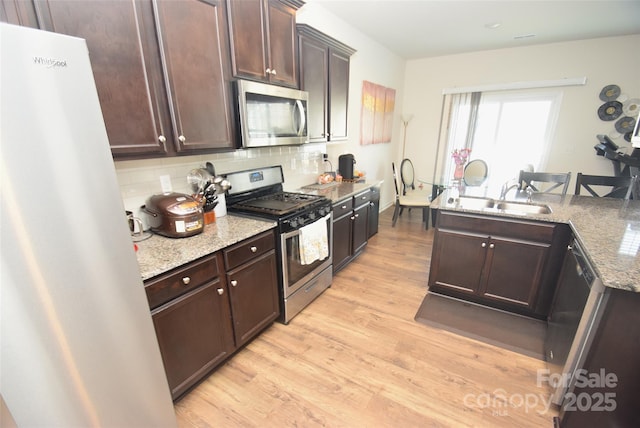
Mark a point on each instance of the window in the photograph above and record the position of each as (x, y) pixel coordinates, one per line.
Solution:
(510, 130)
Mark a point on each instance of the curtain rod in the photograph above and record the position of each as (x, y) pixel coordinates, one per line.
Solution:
(575, 81)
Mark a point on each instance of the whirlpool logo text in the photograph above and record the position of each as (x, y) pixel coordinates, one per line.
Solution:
(50, 62)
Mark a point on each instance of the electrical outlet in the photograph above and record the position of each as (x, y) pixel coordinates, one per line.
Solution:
(165, 184)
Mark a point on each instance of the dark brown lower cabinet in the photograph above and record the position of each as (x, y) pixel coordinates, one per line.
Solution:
(254, 297)
(202, 314)
(500, 262)
(194, 334)
(350, 228)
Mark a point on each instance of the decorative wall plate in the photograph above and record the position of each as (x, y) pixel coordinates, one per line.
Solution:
(631, 107)
(610, 110)
(625, 124)
(610, 93)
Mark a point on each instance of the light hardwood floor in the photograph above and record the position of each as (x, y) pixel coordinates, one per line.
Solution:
(356, 358)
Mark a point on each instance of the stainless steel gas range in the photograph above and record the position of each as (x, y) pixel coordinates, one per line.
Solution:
(305, 233)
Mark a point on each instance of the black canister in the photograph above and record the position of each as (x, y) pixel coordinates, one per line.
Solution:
(345, 166)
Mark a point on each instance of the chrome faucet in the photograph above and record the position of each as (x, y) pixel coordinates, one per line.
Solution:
(507, 186)
(529, 191)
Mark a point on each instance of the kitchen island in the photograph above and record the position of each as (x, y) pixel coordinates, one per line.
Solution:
(607, 228)
(607, 339)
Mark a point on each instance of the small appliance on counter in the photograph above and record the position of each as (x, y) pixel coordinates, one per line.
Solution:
(175, 215)
(346, 166)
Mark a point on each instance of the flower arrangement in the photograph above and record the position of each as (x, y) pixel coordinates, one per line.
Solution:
(460, 156)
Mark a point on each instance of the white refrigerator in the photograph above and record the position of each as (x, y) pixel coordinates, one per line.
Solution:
(77, 343)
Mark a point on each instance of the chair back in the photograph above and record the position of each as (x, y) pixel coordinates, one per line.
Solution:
(618, 185)
(557, 180)
(634, 188)
(395, 179)
(407, 175)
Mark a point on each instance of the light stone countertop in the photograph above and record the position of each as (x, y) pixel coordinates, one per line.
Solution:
(607, 228)
(338, 192)
(159, 254)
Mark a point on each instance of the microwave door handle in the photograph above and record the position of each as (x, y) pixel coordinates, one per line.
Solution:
(301, 114)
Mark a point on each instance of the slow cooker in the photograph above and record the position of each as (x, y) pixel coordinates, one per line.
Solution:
(175, 215)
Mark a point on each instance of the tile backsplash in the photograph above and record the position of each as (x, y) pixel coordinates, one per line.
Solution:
(139, 179)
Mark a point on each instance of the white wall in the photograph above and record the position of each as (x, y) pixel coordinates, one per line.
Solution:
(602, 61)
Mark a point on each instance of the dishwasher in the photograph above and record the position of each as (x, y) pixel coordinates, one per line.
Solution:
(575, 313)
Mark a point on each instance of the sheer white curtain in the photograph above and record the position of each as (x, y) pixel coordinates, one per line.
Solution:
(508, 129)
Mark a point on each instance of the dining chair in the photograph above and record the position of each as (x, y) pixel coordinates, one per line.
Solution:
(557, 180)
(410, 200)
(408, 176)
(617, 186)
(634, 188)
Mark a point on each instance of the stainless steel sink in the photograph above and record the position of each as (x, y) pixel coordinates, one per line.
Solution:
(473, 203)
(523, 208)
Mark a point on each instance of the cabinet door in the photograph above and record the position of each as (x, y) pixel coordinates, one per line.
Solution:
(282, 44)
(338, 95)
(126, 66)
(253, 290)
(458, 260)
(194, 335)
(514, 270)
(341, 241)
(18, 12)
(360, 227)
(193, 38)
(313, 79)
(249, 42)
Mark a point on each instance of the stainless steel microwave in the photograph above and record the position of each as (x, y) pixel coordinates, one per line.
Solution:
(272, 115)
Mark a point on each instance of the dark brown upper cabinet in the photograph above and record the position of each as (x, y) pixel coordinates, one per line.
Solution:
(324, 73)
(161, 69)
(263, 40)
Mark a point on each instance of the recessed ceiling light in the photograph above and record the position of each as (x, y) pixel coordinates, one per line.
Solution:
(524, 36)
(492, 25)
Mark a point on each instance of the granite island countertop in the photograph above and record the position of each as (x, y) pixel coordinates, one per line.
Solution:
(159, 254)
(607, 228)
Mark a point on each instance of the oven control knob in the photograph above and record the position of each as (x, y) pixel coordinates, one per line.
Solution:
(293, 223)
(312, 216)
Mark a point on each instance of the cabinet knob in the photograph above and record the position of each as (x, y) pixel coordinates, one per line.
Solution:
(182, 138)
(357, 215)
(483, 245)
(344, 207)
(186, 280)
(254, 249)
(353, 218)
(234, 283)
(268, 71)
(492, 245)
(273, 72)
(220, 291)
(162, 139)
(364, 197)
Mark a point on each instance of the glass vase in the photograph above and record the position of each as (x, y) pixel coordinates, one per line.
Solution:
(459, 172)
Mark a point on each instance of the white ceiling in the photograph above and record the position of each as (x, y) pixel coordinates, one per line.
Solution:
(427, 28)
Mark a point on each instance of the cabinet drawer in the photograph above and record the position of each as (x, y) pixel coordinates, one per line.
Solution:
(362, 198)
(248, 249)
(343, 207)
(505, 227)
(168, 286)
